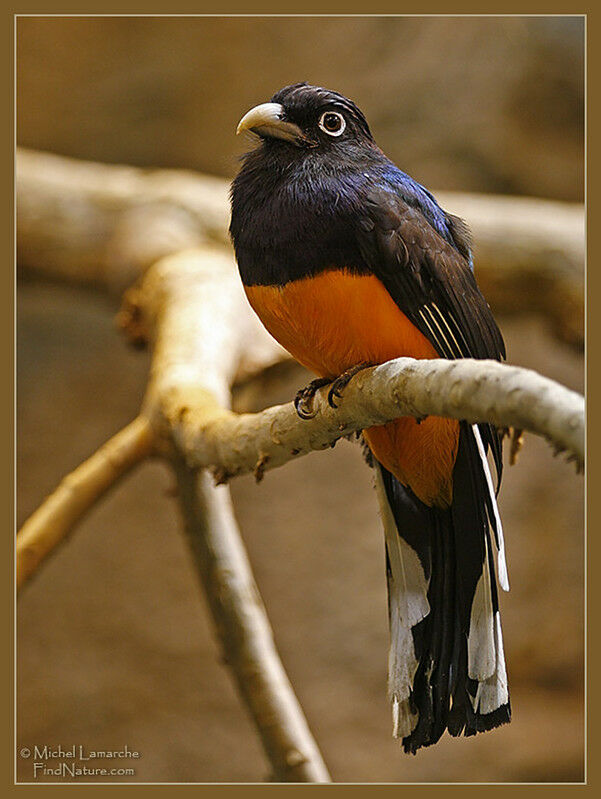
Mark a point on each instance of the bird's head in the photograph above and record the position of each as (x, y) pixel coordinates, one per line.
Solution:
(308, 118)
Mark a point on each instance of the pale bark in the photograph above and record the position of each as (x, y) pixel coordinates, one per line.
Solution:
(78, 492)
(476, 391)
(529, 256)
(198, 354)
(105, 225)
(244, 630)
(197, 296)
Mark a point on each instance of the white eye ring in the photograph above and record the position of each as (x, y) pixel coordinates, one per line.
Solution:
(322, 124)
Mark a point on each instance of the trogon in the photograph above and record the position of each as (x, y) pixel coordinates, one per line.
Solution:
(349, 262)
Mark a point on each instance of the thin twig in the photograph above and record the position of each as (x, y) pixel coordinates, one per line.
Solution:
(78, 492)
(244, 630)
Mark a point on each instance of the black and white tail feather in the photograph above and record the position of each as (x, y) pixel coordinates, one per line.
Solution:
(446, 667)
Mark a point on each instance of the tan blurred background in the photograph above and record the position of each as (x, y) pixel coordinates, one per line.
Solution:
(115, 645)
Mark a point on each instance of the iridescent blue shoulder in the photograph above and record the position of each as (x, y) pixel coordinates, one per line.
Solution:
(452, 228)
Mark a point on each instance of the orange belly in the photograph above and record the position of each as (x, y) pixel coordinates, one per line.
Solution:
(335, 320)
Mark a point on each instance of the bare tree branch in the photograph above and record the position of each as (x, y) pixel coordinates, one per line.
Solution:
(192, 330)
(244, 630)
(205, 338)
(529, 256)
(476, 391)
(228, 344)
(104, 224)
(77, 494)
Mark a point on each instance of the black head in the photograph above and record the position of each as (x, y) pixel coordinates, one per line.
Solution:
(297, 195)
(308, 117)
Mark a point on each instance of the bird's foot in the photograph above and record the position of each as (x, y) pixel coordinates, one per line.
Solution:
(303, 402)
(342, 381)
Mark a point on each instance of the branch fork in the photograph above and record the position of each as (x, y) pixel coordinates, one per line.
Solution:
(189, 307)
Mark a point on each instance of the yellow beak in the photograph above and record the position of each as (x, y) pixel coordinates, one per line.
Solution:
(267, 120)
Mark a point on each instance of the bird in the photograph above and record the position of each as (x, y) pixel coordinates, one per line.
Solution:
(349, 262)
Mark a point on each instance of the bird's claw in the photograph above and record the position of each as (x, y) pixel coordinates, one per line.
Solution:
(336, 392)
(341, 383)
(303, 402)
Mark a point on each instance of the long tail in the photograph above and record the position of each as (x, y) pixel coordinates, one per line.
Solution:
(446, 666)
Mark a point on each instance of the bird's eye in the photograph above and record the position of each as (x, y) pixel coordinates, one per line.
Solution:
(332, 123)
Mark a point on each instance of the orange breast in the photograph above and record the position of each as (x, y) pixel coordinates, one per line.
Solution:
(335, 320)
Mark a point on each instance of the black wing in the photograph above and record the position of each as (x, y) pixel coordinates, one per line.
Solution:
(432, 282)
